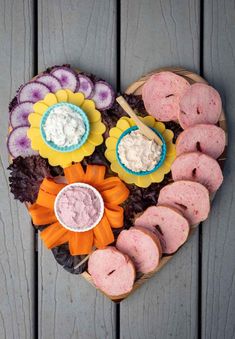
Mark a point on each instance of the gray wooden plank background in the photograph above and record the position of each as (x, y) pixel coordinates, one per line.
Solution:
(178, 302)
(16, 233)
(218, 250)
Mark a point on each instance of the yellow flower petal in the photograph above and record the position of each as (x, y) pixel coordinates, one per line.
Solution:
(77, 155)
(115, 132)
(66, 159)
(123, 124)
(50, 99)
(61, 95)
(44, 150)
(56, 158)
(130, 121)
(144, 181)
(35, 120)
(115, 167)
(149, 121)
(111, 143)
(97, 127)
(75, 98)
(87, 148)
(159, 126)
(54, 162)
(53, 157)
(95, 139)
(157, 176)
(93, 116)
(123, 175)
(110, 155)
(88, 107)
(127, 177)
(40, 107)
(34, 135)
(168, 135)
(169, 159)
(166, 166)
(170, 149)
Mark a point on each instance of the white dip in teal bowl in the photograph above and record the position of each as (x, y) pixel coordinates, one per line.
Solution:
(65, 127)
(137, 154)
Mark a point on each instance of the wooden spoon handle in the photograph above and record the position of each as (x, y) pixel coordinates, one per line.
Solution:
(145, 130)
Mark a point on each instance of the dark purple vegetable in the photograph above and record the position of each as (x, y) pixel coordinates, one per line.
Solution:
(13, 103)
(86, 86)
(111, 115)
(142, 198)
(135, 101)
(176, 128)
(50, 81)
(18, 143)
(27, 174)
(33, 91)
(97, 158)
(104, 95)
(67, 77)
(71, 263)
(19, 114)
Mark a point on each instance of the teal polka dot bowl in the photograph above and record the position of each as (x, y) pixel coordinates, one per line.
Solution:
(83, 139)
(158, 164)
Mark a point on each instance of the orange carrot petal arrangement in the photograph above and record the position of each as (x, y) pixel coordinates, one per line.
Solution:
(112, 191)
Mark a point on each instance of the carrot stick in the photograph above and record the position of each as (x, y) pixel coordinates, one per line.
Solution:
(81, 243)
(103, 234)
(95, 174)
(49, 186)
(116, 195)
(41, 215)
(108, 183)
(45, 199)
(114, 215)
(74, 173)
(54, 235)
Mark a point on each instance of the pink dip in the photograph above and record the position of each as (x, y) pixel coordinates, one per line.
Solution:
(78, 207)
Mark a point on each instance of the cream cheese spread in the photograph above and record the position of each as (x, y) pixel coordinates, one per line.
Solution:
(64, 127)
(138, 153)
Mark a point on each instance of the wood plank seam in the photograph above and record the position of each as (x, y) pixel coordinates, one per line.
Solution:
(36, 266)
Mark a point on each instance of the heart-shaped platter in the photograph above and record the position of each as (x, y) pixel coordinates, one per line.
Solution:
(109, 202)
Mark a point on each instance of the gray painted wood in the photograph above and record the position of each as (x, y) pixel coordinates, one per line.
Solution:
(69, 307)
(218, 250)
(16, 232)
(155, 34)
(158, 33)
(81, 33)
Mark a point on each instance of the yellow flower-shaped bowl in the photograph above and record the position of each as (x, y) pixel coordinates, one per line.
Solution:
(140, 180)
(55, 157)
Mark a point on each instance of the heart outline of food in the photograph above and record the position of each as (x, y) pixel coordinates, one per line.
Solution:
(134, 89)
